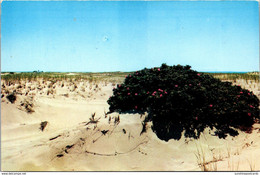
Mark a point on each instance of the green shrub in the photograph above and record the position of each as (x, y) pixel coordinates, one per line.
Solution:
(179, 99)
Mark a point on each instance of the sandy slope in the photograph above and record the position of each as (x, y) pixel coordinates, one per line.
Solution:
(70, 143)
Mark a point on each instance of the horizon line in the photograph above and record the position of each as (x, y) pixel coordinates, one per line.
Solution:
(117, 71)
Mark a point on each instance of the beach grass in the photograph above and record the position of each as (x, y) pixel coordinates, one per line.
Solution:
(113, 77)
(236, 76)
(11, 77)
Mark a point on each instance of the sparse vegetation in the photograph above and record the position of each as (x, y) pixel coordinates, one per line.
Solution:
(27, 105)
(54, 77)
(92, 119)
(11, 97)
(43, 125)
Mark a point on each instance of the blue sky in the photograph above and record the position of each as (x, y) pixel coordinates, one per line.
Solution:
(85, 36)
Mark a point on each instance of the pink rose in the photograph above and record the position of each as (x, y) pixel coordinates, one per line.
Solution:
(127, 88)
(176, 85)
(211, 105)
(249, 114)
(165, 92)
(136, 94)
(128, 93)
(198, 74)
(159, 69)
(135, 107)
(160, 95)
(241, 92)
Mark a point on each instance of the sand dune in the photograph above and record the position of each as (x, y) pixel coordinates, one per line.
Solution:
(74, 140)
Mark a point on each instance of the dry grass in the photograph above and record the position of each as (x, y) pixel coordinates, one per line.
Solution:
(208, 160)
(251, 164)
(112, 77)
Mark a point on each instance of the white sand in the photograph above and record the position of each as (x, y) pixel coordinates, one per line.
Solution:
(67, 110)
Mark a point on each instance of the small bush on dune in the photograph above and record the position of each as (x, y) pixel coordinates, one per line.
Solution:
(11, 97)
(179, 99)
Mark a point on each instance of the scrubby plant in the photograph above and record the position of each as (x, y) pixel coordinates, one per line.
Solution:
(179, 99)
(11, 97)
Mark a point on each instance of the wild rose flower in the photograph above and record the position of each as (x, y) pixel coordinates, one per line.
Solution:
(127, 88)
(159, 69)
(148, 92)
(160, 95)
(176, 85)
(249, 114)
(119, 85)
(196, 118)
(136, 94)
(135, 107)
(248, 93)
(241, 92)
(189, 84)
(154, 92)
(211, 105)
(165, 92)
(128, 93)
(238, 95)
(198, 74)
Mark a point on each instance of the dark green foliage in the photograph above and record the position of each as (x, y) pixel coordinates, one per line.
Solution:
(179, 99)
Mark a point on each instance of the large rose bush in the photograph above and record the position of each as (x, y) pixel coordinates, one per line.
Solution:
(179, 99)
